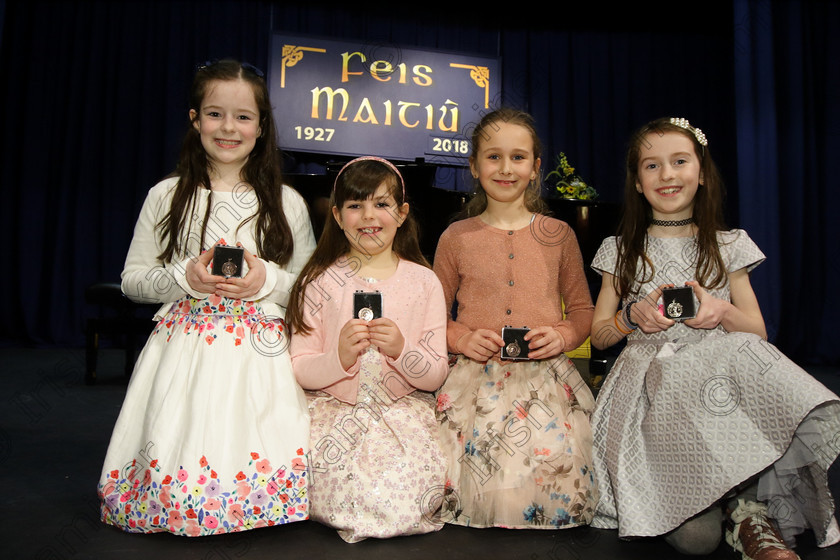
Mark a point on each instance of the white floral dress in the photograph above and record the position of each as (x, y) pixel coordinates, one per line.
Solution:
(214, 430)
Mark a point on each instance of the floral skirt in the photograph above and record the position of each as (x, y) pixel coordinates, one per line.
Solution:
(519, 444)
(213, 432)
(377, 469)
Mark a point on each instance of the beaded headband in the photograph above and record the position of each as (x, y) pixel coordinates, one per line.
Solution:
(383, 161)
(683, 123)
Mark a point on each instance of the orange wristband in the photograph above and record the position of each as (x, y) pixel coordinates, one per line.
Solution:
(618, 326)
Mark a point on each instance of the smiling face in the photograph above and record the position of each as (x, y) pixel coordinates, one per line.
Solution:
(371, 224)
(504, 162)
(669, 175)
(228, 123)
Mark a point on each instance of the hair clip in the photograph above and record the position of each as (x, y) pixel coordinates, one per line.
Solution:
(245, 66)
(383, 161)
(683, 123)
(205, 65)
(250, 67)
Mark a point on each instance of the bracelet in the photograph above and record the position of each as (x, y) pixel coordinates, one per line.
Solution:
(630, 322)
(618, 325)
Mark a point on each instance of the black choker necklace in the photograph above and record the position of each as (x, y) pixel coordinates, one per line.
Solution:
(672, 223)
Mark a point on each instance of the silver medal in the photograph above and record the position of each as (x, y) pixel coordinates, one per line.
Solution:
(366, 314)
(229, 268)
(513, 349)
(675, 309)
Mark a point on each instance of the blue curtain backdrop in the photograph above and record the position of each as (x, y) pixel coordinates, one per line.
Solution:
(94, 98)
(786, 90)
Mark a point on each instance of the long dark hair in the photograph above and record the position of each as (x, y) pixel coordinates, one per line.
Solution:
(478, 202)
(637, 216)
(357, 181)
(262, 172)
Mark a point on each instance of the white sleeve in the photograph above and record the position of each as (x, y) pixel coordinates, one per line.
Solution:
(145, 278)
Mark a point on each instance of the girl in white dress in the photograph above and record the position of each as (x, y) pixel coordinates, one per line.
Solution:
(214, 429)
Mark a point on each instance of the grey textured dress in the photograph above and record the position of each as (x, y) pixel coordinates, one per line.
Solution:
(687, 415)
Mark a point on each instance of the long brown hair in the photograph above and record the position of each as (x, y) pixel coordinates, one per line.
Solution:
(478, 202)
(262, 172)
(637, 216)
(357, 181)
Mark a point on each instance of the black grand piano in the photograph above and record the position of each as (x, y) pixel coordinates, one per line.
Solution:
(435, 208)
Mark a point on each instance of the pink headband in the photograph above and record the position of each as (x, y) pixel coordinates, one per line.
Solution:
(383, 161)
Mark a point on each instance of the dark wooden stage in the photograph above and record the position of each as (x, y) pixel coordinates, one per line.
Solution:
(54, 431)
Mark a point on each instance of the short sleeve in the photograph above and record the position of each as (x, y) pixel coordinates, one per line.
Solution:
(607, 256)
(739, 251)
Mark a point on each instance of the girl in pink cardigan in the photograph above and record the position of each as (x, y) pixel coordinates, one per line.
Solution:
(514, 411)
(369, 346)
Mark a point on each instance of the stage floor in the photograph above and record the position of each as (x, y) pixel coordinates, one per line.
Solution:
(54, 426)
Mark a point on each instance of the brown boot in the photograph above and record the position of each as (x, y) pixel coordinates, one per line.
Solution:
(750, 532)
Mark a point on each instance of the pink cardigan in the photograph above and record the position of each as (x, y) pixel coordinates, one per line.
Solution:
(516, 278)
(412, 298)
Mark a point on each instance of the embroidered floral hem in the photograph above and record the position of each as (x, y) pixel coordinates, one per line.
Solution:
(196, 502)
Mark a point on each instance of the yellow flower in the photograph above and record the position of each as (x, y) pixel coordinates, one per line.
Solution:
(567, 184)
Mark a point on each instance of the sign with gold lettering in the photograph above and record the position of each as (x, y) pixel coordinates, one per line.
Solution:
(368, 99)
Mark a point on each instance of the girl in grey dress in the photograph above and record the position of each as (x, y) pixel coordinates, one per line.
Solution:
(702, 427)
